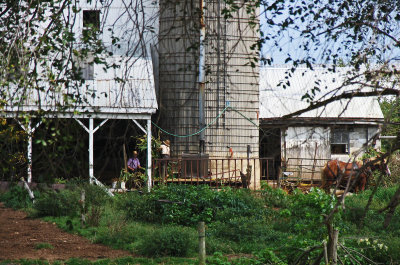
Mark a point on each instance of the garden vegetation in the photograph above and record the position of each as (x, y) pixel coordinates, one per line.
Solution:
(264, 227)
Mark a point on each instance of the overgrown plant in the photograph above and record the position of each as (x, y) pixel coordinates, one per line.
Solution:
(135, 179)
(17, 197)
(185, 204)
(173, 241)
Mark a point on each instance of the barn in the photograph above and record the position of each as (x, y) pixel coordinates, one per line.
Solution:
(301, 144)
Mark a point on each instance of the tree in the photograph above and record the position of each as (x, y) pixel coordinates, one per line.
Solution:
(362, 34)
(391, 110)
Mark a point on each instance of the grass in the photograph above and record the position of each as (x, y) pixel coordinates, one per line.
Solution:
(44, 245)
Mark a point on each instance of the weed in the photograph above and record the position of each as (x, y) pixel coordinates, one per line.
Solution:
(62, 203)
(17, 197)
(44, 245)
(274, 197)
(168, 241)
(244, 229)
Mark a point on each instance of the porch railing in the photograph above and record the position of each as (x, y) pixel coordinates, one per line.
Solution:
(303, 169)
(216, 172)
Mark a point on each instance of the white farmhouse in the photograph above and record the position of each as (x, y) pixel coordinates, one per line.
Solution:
(124, 90)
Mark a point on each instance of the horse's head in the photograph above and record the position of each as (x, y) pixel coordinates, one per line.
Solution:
(380, 164)
(385, 168)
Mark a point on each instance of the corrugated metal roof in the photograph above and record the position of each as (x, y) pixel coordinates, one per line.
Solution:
(103, 96)
(281, 94)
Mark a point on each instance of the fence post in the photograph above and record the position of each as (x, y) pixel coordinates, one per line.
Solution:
(202, 243)
(82, 202)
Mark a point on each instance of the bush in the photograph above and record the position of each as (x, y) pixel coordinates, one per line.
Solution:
(95, 200)
(214, 244)
(137, 207)
(62, 203)
(95, 196)
(305, 213)
(186, 205)
(183, 204)
(17, 198)
(116, 232)
(168, 241)
(384, 195)
(237, 203)
(274, 197)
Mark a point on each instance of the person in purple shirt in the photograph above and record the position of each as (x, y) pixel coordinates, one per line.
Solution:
(133, 162)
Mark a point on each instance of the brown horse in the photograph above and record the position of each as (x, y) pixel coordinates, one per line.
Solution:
(359, 172)
(338, 171)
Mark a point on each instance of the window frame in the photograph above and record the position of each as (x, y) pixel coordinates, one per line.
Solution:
(340, 141)
(90, 15)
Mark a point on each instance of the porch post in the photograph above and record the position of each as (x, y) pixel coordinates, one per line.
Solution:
(91, 132)
(30, 131)
(91, 175)
(149, 180)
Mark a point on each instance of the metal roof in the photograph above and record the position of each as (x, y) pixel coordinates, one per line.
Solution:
(102, 97)
(281, 93)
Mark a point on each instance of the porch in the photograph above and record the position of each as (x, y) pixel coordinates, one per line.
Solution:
(198, 169)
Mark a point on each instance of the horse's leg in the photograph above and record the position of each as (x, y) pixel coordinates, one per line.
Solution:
(326, 186)
(327, 180)
(363, 182)
(356, 187)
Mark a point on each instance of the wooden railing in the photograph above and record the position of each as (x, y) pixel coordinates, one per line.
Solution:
(216, 172)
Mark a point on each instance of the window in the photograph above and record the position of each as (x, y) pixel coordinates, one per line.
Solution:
(91, 19)
(84, 67)
(87, 70)
(340, 141)
(90, 30)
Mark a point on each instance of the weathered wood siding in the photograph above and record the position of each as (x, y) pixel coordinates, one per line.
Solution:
(305, 150)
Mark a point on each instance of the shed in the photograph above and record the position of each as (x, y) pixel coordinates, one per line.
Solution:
(340, 130)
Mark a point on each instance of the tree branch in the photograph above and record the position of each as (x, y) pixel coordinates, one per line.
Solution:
(347, 95)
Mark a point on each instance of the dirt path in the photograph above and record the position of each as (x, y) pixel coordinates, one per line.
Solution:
(19, 235)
